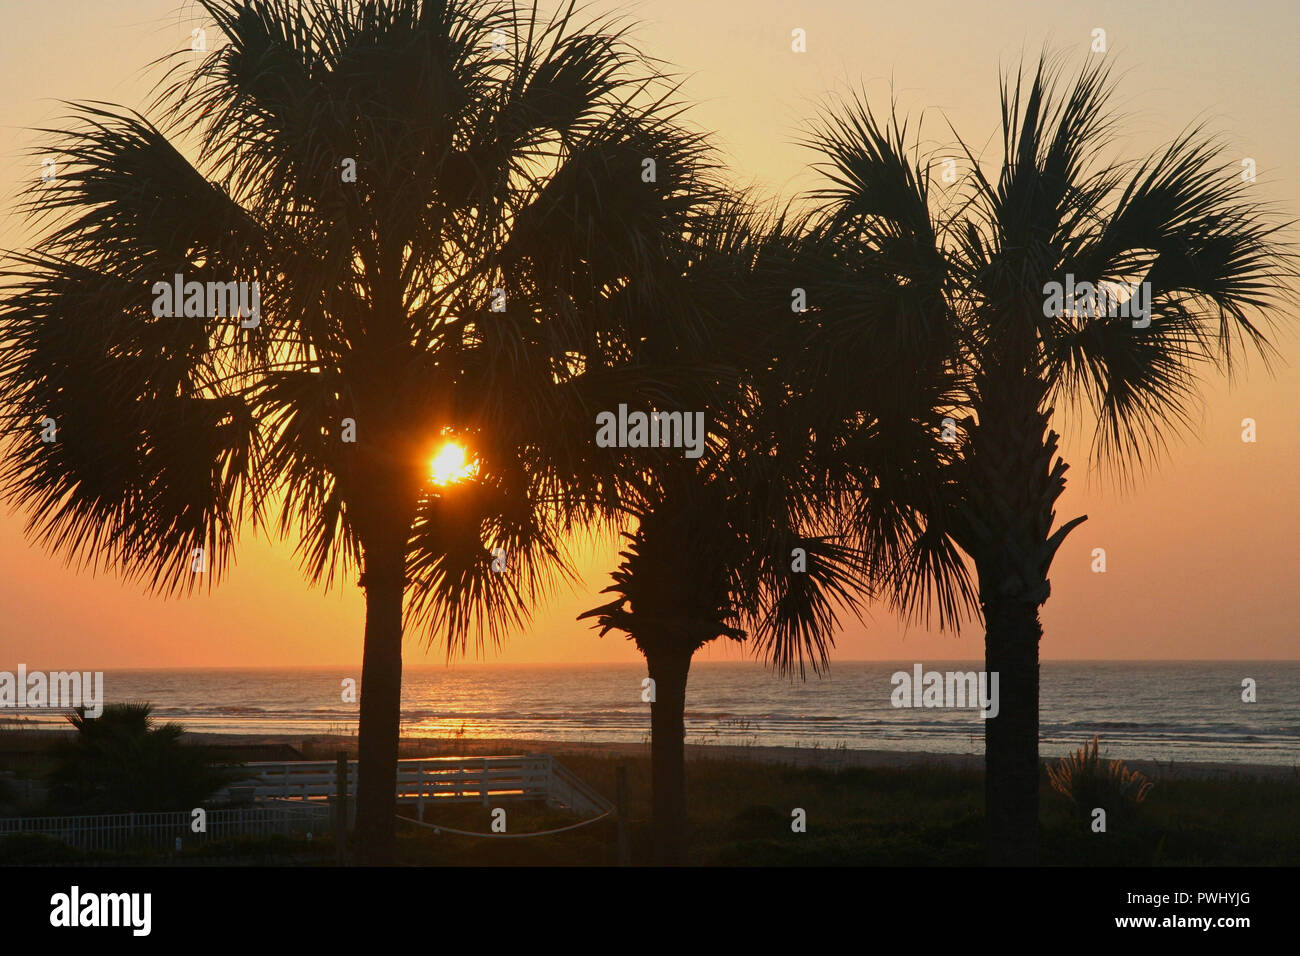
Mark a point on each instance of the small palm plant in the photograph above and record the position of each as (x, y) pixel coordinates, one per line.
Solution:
(125, 760)
(1088, 783)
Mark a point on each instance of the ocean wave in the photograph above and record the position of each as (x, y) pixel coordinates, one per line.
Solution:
(1188, 717)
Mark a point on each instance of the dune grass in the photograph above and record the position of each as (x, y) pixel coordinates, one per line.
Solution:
(741, 815)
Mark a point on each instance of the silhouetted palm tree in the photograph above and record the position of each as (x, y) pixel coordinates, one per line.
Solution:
(737, 543)
(956, 287)
(446, 204)
(124, 760)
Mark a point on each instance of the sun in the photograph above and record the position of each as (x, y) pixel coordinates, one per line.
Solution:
(451, 464)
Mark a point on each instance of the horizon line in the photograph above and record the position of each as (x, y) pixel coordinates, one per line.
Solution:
(763, 664)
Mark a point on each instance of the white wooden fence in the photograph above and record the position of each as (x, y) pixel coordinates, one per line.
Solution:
(424, 780)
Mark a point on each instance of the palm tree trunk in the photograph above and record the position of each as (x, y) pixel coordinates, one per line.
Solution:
(669, 670)
(1011, 770)
(1015, 486)
(381, 700)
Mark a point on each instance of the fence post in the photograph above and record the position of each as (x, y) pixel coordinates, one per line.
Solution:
(341, 800)
(624, 850)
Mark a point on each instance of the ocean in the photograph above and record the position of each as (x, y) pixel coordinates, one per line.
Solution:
(1183, 711)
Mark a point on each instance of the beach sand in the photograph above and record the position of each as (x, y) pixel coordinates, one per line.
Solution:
(321, 746)
(326, 746)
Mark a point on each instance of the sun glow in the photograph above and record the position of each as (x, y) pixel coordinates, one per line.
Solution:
(451, 464)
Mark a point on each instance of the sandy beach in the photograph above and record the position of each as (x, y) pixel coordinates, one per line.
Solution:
(324, 746)
(316, 746)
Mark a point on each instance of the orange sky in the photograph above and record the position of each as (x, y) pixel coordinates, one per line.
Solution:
(1202, 554)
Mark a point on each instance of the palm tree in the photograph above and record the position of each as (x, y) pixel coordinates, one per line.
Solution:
(125, 760)
(962, 290)
(735, 543)
(445, 205)
(711, 557)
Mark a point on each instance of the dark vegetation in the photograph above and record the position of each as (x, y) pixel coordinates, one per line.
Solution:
(740, 813)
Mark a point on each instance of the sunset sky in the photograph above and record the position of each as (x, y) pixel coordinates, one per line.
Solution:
(1201, 552)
